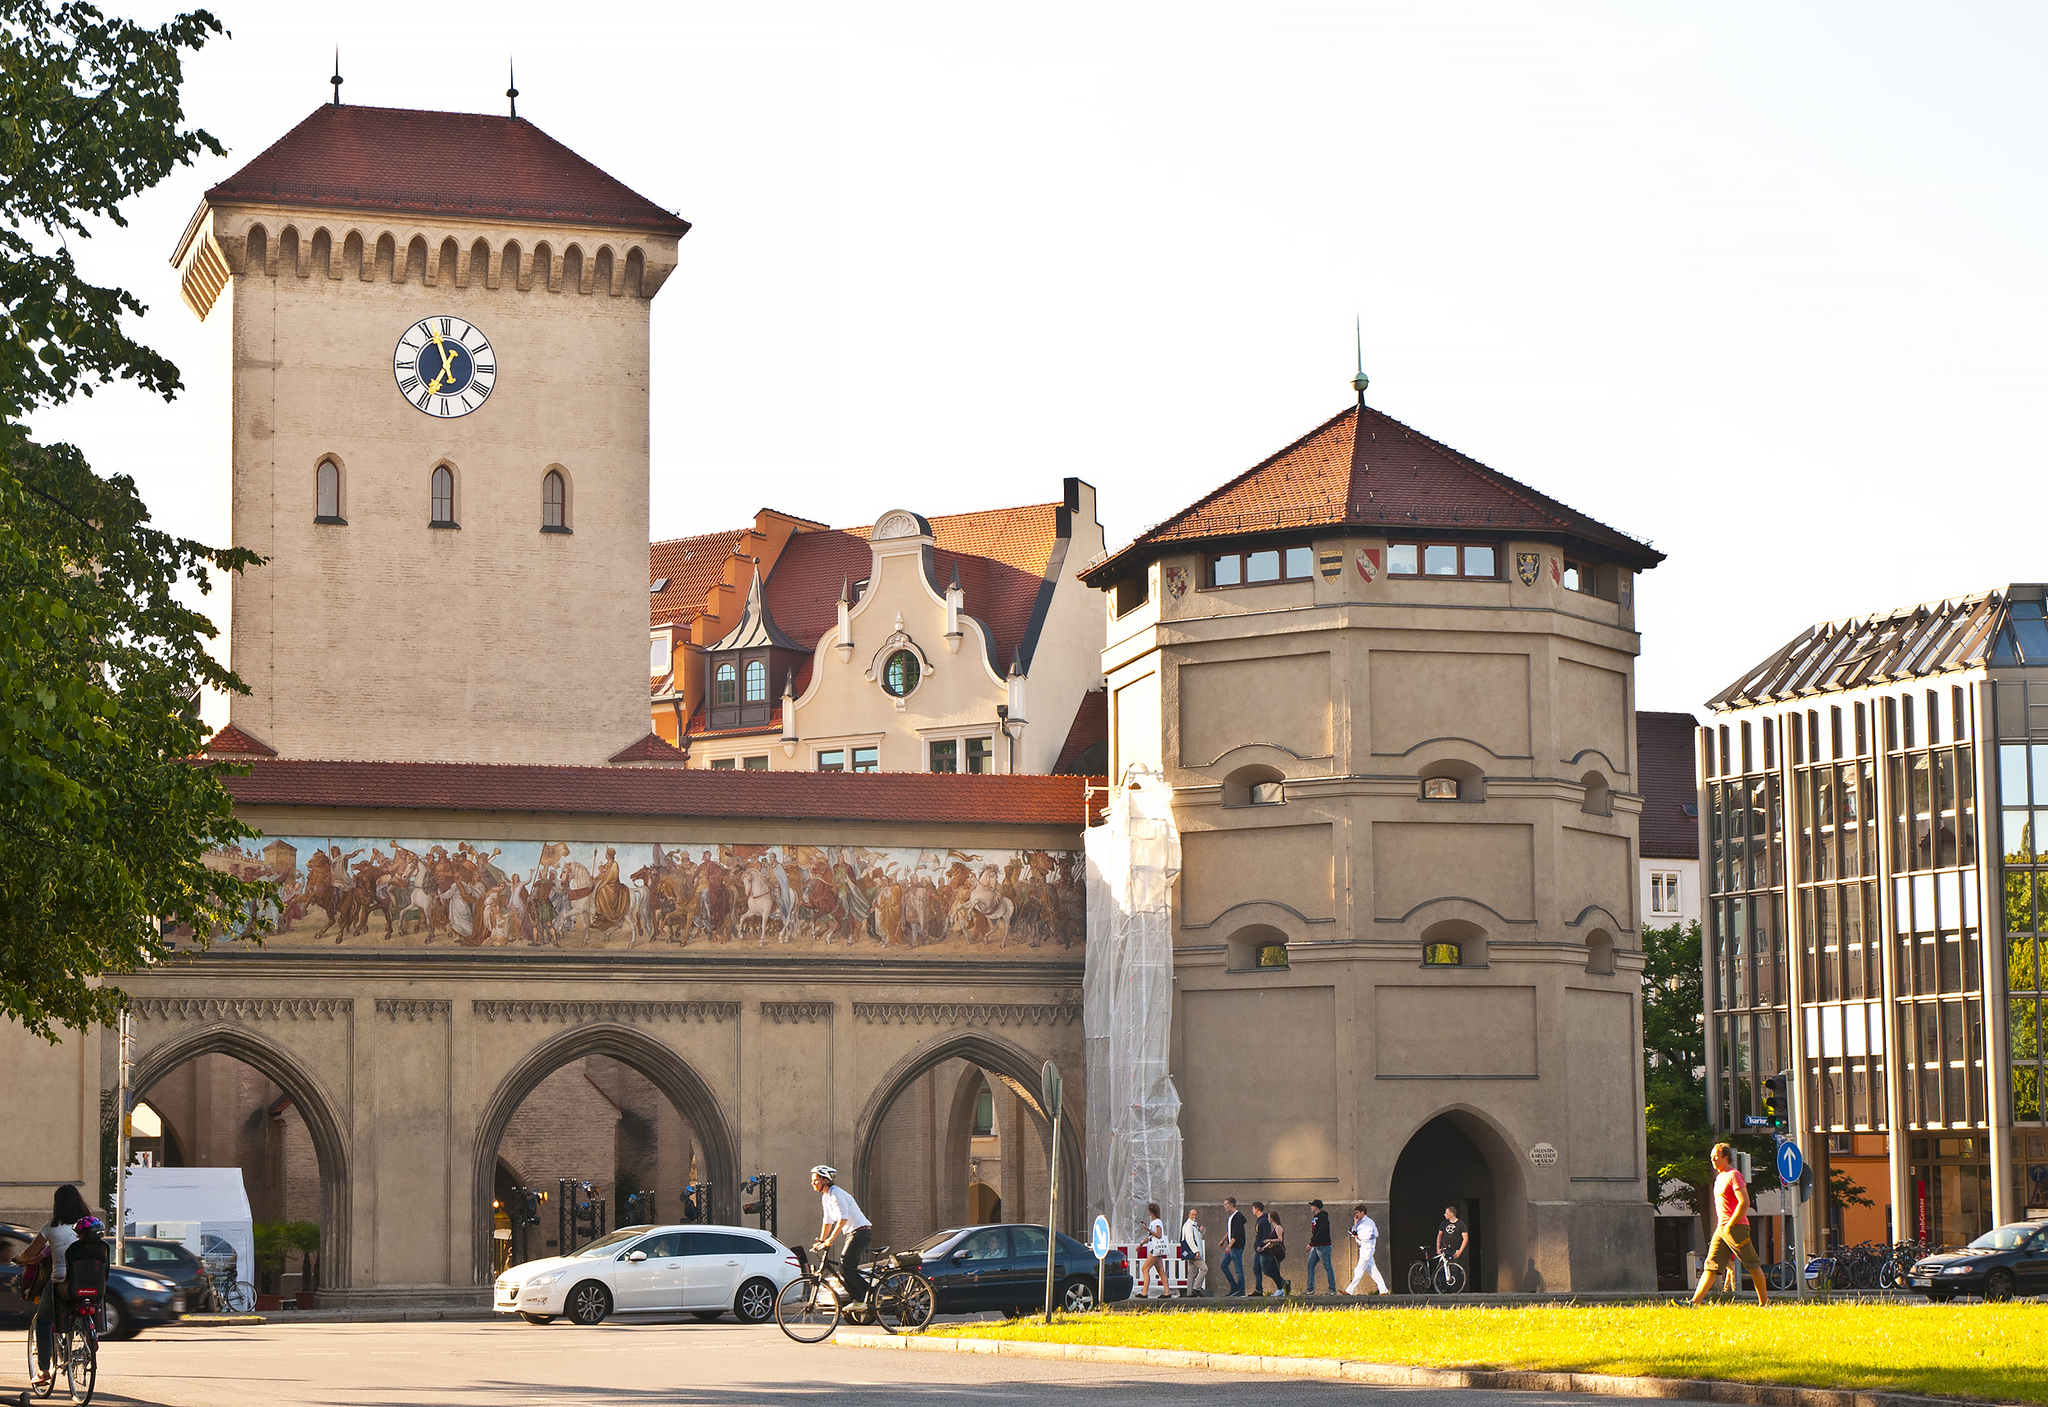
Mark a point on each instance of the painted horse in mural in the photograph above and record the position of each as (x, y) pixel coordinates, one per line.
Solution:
(761, 903)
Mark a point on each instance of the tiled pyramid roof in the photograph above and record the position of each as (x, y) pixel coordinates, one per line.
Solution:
(651, 748)
(231, 741)
(1394, 478)
(456, 163)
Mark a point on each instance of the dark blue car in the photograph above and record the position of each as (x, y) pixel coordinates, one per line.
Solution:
(1003, 1268)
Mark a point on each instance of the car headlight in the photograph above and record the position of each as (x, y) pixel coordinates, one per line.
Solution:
(1957, 1270)
(539, 1280)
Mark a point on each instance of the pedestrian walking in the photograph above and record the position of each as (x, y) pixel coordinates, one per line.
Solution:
(1269, 1244)
(1365, 1233)
(1731, 1237)
(1155, 1255)
(1193, 1253)
(1233, 1248)
(1319, 1252)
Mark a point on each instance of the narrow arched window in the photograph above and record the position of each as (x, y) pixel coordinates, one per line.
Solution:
(725, 685)
(444, 498)
(554, 506)
(757, 681)
(327, 493)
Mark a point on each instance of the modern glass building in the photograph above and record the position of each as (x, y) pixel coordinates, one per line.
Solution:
(1875, 861)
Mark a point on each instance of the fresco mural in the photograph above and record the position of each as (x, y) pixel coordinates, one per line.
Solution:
(337, 891)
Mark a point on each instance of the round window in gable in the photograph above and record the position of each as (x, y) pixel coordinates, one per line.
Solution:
(901, 673)
(1442, 955)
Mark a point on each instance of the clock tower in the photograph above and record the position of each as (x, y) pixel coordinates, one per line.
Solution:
(440, 449)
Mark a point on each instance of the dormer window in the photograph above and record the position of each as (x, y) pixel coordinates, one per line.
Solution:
(725, 685)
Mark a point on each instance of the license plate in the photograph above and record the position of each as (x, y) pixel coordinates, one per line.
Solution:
(1919, 1281)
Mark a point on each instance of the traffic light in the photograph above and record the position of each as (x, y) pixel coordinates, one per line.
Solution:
(1777, 1106)
(524, 1209)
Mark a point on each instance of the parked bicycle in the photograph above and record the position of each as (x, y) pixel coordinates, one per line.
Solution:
(899, 1298)
(1436, 1273)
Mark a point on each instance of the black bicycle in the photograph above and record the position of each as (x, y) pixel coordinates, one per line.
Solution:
(899, 1297)
(1435, 1273)
(77, 1347)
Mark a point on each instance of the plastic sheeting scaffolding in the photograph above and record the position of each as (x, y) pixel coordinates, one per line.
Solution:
(1127, 1010)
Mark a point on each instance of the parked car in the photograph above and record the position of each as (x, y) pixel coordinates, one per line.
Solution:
(136, 1298)
(1003, 1267)
(703, 1270)
(175, 1263)
(2003, 1262)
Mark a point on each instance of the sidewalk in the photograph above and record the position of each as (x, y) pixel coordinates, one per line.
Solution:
(340, 1316)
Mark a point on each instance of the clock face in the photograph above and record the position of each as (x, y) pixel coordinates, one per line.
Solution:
(444, 366)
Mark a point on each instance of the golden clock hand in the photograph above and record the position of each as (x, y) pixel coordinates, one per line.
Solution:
(447, 373)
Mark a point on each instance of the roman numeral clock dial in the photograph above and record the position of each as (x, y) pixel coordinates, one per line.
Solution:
(444, 366)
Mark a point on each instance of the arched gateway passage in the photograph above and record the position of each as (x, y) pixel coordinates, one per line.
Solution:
(315, 1106)
(999, 1061)
(669, 1073)
(1458, 1158)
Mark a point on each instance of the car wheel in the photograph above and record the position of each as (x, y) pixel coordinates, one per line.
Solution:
(1998, 1287)
(115, 1320)
(755, 1303)
(1077, 1296)
(537, 1318)
(589, 1303)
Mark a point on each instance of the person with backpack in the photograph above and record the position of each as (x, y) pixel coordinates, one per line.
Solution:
(48, 1277)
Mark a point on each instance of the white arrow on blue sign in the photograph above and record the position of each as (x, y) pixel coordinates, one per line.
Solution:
(1791, 1163)
(1098, 1240)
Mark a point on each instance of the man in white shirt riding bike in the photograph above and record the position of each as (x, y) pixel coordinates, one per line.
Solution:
(842, 1217)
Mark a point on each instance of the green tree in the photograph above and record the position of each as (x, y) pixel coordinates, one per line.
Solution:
(104, 822)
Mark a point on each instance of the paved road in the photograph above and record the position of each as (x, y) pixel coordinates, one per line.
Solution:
(700, 1365)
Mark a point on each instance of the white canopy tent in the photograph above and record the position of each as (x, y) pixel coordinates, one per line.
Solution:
(198, 1206)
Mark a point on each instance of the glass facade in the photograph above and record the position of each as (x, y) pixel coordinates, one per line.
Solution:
(1748, 993)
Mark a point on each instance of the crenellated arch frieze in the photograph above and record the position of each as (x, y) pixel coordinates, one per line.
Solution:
(241, 1008)
(273, 248)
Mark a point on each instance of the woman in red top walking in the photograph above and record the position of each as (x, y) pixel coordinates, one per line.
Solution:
(1731, 1237)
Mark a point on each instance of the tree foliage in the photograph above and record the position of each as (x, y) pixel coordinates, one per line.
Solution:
(104, 822)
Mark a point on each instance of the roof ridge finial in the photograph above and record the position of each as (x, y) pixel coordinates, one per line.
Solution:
(336, 80)
(1360, 381)
(511, 88)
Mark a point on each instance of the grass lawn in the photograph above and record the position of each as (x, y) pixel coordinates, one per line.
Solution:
(1995, 1351)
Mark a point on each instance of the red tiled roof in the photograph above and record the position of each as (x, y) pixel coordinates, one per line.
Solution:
(231, 739)
(651, 748)
(1665, 761)
(1090, 730)
(458, 163)
(936, 798)
(1396, 479)
(693, 565)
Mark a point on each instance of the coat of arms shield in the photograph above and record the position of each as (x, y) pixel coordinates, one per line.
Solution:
(1527, 565)
(1176, 582)
(1369, 563)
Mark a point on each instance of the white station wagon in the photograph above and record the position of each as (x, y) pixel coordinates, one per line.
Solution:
(703, 1270)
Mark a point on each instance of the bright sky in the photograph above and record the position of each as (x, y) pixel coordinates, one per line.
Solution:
(1762, 284)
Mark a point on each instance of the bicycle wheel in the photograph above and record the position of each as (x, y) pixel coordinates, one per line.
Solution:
(904, 1302)
(242, 1298)
(1450, 1278)
(1418, 1278)
(81, 1361)
(807, 1310)
(32, 1361)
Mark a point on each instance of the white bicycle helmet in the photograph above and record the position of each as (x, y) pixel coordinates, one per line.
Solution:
(830, 1174)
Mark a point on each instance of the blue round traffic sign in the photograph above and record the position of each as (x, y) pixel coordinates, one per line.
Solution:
(1098, 1239)
(1790, 1162)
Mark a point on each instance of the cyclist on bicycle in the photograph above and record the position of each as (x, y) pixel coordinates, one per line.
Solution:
(55, 1239)
(842, 1217)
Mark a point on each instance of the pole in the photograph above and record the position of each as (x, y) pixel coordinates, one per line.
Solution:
(124, 1036)
(1052, 1207)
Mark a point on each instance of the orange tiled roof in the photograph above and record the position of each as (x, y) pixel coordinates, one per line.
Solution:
(1087, 747)
(464, 163)
(692, 566)
(1395, 479)
(651, 748)
(232, 741)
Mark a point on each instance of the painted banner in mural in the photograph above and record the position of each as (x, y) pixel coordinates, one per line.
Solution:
(358, 892)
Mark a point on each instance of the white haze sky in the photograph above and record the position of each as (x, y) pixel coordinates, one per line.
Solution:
(1761, 283)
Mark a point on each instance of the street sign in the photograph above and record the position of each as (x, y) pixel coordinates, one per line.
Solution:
(1098, 1240)
(1791, 1163)
(1049, 1086)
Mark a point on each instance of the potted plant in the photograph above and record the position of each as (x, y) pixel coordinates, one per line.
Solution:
(272, 1245)
(305, 1239)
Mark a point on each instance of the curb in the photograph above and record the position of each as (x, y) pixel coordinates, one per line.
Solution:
(1398, 1375)
(336, 1316)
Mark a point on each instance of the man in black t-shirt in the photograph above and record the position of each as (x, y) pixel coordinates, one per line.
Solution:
(1319, 1252)
(1451, 1238)
(1233, 1247)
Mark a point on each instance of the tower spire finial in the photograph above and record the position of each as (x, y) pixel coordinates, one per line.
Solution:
(1360, 381)
(511, 88)
(336, 80)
